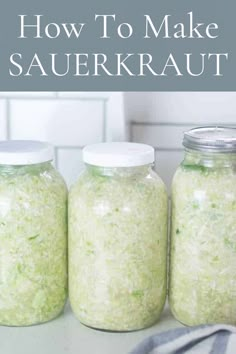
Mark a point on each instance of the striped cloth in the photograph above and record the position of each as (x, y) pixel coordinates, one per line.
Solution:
(211, 339)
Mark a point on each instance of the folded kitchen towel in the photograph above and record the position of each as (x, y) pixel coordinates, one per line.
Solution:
(210, 339)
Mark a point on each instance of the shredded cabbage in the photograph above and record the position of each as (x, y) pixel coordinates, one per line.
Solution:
(203, 245)
(117, 249)
(33, 271)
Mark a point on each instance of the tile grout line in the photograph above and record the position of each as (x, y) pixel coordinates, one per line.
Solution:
(174, 124)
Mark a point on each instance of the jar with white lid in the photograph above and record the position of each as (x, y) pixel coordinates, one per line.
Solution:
(33, 234)
(118, 238)
(203, 238)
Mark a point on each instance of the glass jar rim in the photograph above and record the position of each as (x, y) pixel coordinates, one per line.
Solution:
(219, 139)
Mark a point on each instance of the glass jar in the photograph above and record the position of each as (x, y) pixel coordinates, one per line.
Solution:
(118, 238)
(33, 234)
(203, 238)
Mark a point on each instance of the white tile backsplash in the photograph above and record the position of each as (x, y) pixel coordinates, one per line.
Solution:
(71, 120)
(61, 122)
(160, 136)
(3, 119)
(166, 165)
(68, 120)
(27, 94)
(160, 118)
(86, 95)
(182, 107)
(70, 164)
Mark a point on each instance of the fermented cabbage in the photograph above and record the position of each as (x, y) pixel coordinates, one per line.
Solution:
(33, 272)
(203, 244)
(117, 249)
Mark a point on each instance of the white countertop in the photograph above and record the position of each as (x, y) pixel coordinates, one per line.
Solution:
(65, 335)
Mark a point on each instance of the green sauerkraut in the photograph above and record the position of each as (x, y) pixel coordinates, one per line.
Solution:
(33, 272)
(203, 244)
(117, 249)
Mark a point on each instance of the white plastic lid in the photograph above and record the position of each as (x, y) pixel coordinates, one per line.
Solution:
(24, 152)
(120, 154)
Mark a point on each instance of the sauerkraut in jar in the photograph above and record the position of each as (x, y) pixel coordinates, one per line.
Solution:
(33, 234)
(118, 238)
(203, 238)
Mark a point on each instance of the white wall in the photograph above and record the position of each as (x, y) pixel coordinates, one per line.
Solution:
(161, 118)
(67, 120)
(72, 120)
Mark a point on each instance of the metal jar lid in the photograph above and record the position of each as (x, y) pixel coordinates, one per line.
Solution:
(211, 139)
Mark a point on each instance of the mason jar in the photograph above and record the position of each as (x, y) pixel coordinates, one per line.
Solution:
(118, 238)
(203, 238)
(33, 234)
